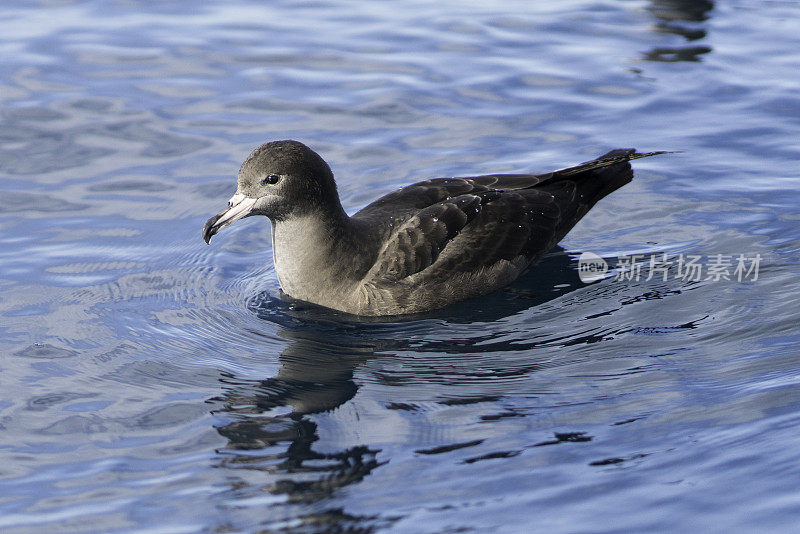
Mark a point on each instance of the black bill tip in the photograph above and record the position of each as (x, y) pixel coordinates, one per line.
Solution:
(209, 229)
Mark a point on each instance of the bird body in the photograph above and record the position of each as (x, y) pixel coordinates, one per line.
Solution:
(422, 247)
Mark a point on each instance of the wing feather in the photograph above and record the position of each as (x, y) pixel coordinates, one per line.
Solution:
(469, 233)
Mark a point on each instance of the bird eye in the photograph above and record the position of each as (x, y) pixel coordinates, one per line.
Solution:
(272, 179)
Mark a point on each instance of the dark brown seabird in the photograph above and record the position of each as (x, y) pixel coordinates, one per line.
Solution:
(419, 248)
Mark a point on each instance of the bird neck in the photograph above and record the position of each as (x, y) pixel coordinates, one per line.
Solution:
(313, 255)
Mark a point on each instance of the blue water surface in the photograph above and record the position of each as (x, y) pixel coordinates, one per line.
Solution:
(149, 382)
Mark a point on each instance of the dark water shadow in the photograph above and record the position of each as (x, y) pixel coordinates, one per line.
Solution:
(685, 18)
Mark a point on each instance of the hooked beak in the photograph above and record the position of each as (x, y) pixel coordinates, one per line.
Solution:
(239, 207)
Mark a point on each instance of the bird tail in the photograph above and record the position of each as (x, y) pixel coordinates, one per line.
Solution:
(604, 175)
(620, 155)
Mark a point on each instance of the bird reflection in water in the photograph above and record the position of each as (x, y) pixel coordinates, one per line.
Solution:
(271, 432)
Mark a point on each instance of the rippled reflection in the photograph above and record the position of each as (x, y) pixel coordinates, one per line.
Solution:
(271, 434)
(684, 18)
